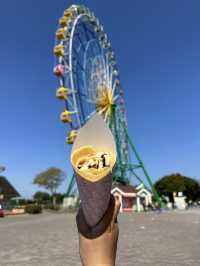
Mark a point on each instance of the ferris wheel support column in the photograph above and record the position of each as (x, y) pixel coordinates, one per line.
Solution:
(158, 199)
(119, 160)
(70, 186)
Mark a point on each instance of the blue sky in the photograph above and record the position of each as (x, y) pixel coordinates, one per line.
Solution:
(157, 44)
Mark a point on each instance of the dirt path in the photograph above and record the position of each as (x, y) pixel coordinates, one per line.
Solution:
(171, 238)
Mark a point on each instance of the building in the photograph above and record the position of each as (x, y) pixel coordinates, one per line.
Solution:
(144, 197)
(132, 198)
(127, 195)
(7, 191)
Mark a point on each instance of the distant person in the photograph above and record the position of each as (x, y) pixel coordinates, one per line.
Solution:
(144, 206)
(150, 207)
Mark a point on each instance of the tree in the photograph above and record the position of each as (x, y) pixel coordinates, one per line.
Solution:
(178, 183)
(50, 179)
(59, 197)
(41, 197)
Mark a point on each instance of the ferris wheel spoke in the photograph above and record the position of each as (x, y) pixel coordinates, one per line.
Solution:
(86, 31)
(115, 96)
(90, 101)
(80, 67)
(82, 94)
(90, 115)
(77, 81)
(77, 59)
(76, 72)
(86, 62)
(110, 79)
(79, 39)
(64, 62)
(69, 101)
(106, 116)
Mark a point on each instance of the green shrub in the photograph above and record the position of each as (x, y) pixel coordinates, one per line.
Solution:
(41, 197)
(59, 198)
(33, 209)
(52, 207)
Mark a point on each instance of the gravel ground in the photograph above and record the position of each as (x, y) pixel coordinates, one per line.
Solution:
(170, 238)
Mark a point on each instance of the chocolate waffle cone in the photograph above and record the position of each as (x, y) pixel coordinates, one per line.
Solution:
(94, 185)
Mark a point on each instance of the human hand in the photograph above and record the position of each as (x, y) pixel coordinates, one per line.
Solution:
(101, 251)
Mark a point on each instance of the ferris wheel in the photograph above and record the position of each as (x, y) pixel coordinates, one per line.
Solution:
(89, 82)
(88, 76)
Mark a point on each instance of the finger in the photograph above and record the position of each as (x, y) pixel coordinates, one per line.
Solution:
(116, 210)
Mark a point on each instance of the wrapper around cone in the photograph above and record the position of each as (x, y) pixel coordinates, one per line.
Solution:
(93, 158)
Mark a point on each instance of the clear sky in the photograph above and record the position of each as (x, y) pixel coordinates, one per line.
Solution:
(157, 45)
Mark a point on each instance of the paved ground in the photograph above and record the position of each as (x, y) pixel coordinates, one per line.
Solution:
(171, 238)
